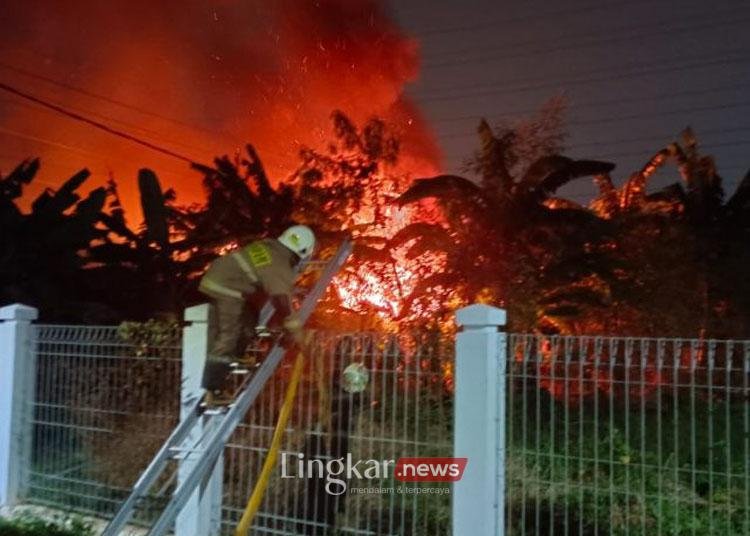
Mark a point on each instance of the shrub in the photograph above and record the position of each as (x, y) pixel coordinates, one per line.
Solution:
(33, 526)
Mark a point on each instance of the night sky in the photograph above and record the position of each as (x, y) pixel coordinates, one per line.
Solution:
(201, 77)
(634, 73)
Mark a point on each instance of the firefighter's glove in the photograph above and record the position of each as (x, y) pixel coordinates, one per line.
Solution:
(294, 329)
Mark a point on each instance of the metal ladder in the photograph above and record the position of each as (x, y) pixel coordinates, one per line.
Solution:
(211, 444)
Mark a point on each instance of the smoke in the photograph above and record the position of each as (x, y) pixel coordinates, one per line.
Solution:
(202, 78)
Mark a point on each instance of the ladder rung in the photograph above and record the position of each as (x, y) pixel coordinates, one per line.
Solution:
(184, 454)
(217, 410)
(179, 450)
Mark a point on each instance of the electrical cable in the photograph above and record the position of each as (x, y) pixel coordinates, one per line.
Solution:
(532, 48)
(104, 98)
(551, 15)
(659, 67)
(97, 124)
(612, 119)
(607, 102)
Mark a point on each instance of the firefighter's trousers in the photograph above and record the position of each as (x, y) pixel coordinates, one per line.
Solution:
(230, 323)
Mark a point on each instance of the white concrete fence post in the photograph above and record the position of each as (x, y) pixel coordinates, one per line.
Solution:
(201, 515)
(17, 379)
(479, 425)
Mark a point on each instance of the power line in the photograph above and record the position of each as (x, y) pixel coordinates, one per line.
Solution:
(96, 124)
(533, 17)
(662, 113)
(608, 30)
(611, 119)
(31, 137)
(631, 154)
(658, 67)
(90, 155)
(640, 36)
(144, 111)
(36, 108)
(664, 138)
(104, 98)
(672, 135)
(592, 104)
(589, 80)
(706, 147)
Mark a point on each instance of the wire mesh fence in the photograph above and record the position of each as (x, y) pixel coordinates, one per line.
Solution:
(605, 435)
(105, 399)
(624, 436)
(404, 411)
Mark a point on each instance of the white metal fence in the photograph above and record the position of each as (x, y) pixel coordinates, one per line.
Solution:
(620, 436)
(406, 411)
(600, 435)
(105, 399)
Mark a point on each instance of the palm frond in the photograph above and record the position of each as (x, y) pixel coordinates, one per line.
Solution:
(90, 208)
(674, 193)
(634, 189)
(740, 200)
(11, 186)
(258, 172)
(428, 236)
(154, 209)
(365, 253)
(546, 175)
(444, 187)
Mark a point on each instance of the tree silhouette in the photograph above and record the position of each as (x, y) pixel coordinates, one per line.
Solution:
(348, 189)
(667, 262)
(682, 248)
(44, 252)
(508, 239)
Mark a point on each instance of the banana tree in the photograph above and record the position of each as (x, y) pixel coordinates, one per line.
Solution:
(241, 205)
(507, 238)
(43, 252)
(682, 247)
(141, 261)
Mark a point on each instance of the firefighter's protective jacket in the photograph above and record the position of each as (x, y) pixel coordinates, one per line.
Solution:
(264, 265)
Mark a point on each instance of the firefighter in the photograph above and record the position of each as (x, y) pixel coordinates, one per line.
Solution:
(266, 266)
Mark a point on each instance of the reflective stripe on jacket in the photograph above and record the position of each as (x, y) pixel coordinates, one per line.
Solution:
(265, 263)
(212, 288)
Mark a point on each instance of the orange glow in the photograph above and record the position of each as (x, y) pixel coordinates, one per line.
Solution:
(577, 377)
(203, 84)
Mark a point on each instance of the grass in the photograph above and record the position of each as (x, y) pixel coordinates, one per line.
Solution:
(674, 464)
(34, 526)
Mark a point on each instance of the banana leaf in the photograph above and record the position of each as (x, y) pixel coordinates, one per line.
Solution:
(444, 187)
(154, 209)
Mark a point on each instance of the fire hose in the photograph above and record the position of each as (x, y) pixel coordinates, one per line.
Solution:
(259, 490)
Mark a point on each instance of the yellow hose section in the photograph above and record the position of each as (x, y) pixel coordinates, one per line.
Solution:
(273, 453)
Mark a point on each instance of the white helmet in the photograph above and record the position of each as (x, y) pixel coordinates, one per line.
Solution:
(300, 239)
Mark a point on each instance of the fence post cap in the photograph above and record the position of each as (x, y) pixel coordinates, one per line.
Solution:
(197, 313)
(480, 315)
(18, 311)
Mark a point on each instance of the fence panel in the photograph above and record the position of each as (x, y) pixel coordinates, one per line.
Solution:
(106, 398)
(605, 435)
(627, 436)
(405, 410)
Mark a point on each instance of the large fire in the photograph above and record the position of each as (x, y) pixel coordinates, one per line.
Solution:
(385, 287)
(201, 78)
